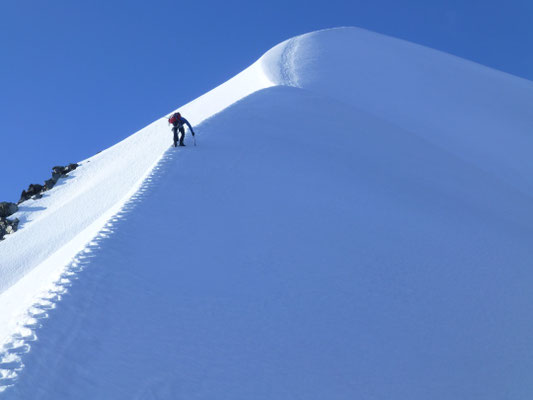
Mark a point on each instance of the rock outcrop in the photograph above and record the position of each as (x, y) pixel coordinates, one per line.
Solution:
(7, 209)
(8, 226)
(34, 191)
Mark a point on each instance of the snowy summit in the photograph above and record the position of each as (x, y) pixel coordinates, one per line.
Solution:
(355, 223)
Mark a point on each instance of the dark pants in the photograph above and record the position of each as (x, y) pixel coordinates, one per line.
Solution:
(181, 130)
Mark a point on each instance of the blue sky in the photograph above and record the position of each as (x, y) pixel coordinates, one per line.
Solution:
(77, 77)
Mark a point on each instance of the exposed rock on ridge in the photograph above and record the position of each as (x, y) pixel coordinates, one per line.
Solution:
(34, 191)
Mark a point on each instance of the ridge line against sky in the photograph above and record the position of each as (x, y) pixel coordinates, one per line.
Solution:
(79, 77)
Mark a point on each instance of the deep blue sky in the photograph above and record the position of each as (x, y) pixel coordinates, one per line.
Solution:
(77, 77)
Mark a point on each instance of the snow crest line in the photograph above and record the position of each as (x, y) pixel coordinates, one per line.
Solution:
(25, 334)
(288, 63)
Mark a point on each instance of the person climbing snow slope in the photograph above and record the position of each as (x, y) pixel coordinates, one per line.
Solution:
(178, 123)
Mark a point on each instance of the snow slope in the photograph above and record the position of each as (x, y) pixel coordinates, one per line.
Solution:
(56, 227)
(355, 223)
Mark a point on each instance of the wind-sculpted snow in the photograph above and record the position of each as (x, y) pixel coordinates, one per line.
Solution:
(355, 223)
(480, 114)
(28, 324)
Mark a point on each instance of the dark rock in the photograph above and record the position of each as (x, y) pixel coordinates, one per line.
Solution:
(49, 184)
(12, 226)
(8, 226)
(58, 170)
(23, 197)
(71, 167)
(6, 209)
(33, 189)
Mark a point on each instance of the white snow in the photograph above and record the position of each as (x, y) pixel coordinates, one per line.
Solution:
(53, 229)
(355, 223)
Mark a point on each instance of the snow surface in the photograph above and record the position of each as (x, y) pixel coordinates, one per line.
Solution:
(354, 223)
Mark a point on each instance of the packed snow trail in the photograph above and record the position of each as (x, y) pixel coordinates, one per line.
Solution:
(358, 231)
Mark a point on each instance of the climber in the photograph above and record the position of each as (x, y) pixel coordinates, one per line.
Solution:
(178, 123)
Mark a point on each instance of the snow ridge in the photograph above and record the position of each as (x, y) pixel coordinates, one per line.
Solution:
(28, 324)
(421, 140)
(32, 285)
(57, 227)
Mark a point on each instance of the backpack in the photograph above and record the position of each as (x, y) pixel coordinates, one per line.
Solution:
(173, 119)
